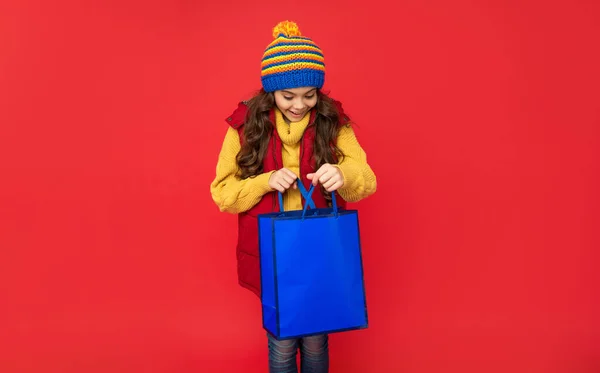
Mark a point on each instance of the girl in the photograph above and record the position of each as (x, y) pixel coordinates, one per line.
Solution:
(289, 131)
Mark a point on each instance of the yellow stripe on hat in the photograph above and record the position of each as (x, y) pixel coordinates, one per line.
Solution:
(292, 57)
(291, 48)
(292, 66)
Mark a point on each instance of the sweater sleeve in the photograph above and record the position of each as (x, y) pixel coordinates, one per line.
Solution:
(229, 192)
(359, 179)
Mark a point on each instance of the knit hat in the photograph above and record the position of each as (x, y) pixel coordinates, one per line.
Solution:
(291, 60)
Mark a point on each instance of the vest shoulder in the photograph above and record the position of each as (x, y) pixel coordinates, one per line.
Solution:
(238, 117)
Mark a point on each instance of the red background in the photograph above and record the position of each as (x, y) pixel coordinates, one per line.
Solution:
(481, 122)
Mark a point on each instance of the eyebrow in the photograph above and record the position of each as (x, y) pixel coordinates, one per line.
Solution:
(292, 93)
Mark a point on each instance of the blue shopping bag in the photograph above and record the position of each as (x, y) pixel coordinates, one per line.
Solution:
(311, 270)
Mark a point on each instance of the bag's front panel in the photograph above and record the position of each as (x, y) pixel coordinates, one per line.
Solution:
(319, 274)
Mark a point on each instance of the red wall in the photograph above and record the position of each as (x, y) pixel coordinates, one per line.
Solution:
(480, 246)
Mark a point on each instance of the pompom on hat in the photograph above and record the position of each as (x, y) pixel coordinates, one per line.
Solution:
(291, 60)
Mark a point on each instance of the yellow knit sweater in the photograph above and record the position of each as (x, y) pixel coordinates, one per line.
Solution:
(234, 195)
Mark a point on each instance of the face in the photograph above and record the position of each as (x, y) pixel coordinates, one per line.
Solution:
(294, 103)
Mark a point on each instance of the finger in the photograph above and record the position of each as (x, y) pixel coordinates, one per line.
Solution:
(284, 183)
(329, 174)
(288, 179)
(337, 185)
(279, 188)
(289, 173)
(317, 176)
(329, 183)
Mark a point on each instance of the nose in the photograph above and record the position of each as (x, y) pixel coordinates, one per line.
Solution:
(298, 105)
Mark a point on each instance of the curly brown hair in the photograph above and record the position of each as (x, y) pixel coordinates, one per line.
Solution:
(258, 129)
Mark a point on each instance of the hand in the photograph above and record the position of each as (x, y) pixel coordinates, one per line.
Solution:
(330, 176)
(282, 180)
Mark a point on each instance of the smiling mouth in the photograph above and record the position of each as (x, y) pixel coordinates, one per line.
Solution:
(294, 113)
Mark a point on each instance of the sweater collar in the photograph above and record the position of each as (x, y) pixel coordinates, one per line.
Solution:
(291, 133)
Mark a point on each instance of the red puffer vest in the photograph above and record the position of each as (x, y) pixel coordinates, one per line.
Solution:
(248, 264)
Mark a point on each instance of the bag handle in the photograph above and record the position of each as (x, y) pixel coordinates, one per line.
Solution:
(306, 194)
(308, 198)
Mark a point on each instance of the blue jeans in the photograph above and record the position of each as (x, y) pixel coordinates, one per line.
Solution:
(314, 354)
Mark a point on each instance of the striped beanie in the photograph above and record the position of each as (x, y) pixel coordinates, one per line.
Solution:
(291, 60)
